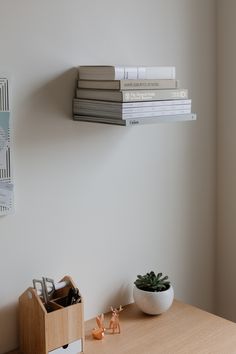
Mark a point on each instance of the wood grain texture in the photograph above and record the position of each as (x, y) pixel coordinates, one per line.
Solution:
(42, 331)
(32, 316)
(183, 329)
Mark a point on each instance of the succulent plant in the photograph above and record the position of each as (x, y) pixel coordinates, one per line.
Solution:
(152, 282)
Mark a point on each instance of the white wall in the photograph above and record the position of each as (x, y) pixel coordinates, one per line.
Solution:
(226, 143)
(98, 202)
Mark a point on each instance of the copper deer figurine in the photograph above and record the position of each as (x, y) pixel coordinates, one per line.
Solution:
(114, 325)
(98, 333)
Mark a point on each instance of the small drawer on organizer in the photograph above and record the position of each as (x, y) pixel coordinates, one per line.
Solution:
(75, 347)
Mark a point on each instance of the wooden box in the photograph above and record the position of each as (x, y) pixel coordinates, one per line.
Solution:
(42, 332)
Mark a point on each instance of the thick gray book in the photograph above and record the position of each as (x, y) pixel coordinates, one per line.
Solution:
(137, 121)
(135, 114)
(128, 106)
(132, 95)
(111, 72)
(113, 111)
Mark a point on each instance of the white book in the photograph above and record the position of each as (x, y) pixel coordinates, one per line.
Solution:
(120, 106)
(138, 121)
(80, 110)
(102, 72)
(79, 105)
(127, 115)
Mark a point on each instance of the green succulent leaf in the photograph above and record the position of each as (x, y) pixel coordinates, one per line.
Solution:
(152, 282)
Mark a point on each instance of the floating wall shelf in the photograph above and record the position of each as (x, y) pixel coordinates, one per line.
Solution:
(138, 121)
(124, 95)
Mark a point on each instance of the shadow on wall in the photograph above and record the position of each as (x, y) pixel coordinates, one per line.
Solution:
(45, 112)
(8, 324)
(55, 96)
(43, 123)
(45, 105)
(120, 296)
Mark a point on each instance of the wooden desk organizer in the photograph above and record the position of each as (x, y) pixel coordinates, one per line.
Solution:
(42, 332)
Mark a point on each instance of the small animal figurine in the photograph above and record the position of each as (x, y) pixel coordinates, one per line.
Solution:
(98, 333)
(114, 325)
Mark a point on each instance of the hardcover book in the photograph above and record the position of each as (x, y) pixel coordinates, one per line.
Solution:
(102, 72)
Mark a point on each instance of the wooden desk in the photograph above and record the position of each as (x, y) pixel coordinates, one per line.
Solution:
(183, 329)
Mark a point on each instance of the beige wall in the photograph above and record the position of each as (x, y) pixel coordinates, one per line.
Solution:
(226, 285)
(99, 202)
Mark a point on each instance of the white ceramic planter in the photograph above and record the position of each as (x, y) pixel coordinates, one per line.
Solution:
(153, 303)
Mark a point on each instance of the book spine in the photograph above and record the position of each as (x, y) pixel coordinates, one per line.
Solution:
(90, 119)
(137, 121)
(85, 103)
(157, 108)
(80, 108)
(128, 84)
(125, 115)
(161, 119)
(155, 114)
(142, 72)
(148, 84)
(99, 84)
(154, 104)
(152, 95)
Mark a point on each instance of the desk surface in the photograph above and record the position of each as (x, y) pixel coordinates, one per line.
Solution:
(183, 329)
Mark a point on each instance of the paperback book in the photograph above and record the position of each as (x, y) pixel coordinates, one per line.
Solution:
(126, 115)
(137, 121)
(122, 106)
(131, 112)
(132, 95)
(128, 84)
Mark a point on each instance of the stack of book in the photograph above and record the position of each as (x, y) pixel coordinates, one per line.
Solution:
(130, 95)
